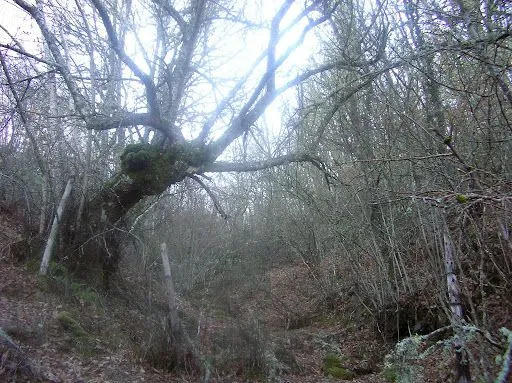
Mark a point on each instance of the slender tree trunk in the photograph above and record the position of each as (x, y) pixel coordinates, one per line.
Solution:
(173, 313)
(85, 183)
(44, 201)
(93, 73)
(55, 227)
(181, 340)
(461, 358)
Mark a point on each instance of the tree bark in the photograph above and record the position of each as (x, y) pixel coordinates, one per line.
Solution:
(171, 292)
(55, 227)
(461, 358)
(44, 199)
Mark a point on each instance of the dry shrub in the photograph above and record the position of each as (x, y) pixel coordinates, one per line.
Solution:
(240, 346)
(166, 351)
(412, 314)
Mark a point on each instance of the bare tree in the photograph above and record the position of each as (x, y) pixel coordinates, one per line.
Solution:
(181, 63)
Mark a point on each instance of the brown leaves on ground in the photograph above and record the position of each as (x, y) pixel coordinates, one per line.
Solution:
(298, 327)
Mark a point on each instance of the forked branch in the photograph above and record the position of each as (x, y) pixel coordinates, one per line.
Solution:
(211, 194)
(151, 93)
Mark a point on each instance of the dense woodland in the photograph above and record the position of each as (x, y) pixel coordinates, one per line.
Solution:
(308, 165)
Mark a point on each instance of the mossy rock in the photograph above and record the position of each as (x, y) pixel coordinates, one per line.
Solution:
(339, 373)
(71, 325)
(78, 338)
(333, 367)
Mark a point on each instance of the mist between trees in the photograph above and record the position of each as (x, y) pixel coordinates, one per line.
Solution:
(388, 180)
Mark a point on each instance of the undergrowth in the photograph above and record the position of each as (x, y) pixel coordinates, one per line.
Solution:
(405, 364)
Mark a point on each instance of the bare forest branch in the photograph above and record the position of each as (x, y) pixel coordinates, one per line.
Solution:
(151, 92)
(119, 121)
(23, 115)
(260, 99)
(211, 194)
(240, 167)
(53, 44)
(29, 55)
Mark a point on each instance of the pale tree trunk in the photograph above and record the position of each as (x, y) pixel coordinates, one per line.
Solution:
(93, 73)
(461, 357)
(85, 183)
(171, 292)
(55, 228)
(44, 201)
(180, 338)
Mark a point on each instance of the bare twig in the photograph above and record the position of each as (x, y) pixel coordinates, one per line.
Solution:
(211, 194)
(53, 44)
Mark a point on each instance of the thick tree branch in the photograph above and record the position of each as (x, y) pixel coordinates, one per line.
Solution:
(270, 72)
(340, 100)
(241, 167)
(173, 13)
(272, 44)
(119, 121)
(258, 102)
(151, 93)
(179, 76)
(225, 102)
(29, 55)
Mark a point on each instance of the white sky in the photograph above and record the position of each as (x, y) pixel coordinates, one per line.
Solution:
(18, 23)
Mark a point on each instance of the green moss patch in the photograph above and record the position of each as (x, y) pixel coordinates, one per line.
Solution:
(154, 167)
(461, 198)
(148, 165)
(77, 336)
(71, 325)
(85, 294)
(333, 367)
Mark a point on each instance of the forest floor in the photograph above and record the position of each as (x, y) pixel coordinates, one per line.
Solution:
(32, 317)
(73, 334)
(278, 327)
